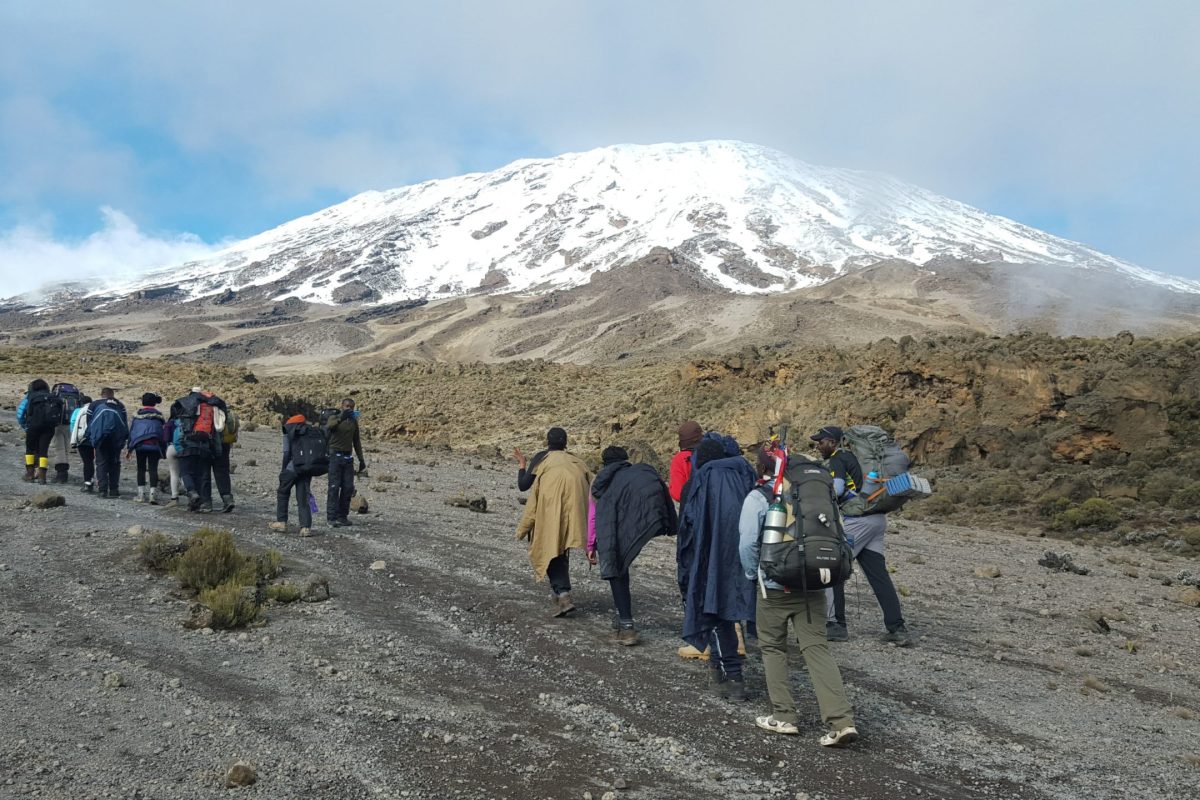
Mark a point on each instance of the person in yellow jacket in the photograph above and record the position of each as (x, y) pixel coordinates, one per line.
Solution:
(555, 518)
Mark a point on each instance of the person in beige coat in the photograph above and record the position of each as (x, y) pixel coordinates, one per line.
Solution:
(555, 518)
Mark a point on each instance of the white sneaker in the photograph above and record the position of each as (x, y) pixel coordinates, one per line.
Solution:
(776, 725)
(153, 497)
(839, 738)
(305, 532)
(140, 497)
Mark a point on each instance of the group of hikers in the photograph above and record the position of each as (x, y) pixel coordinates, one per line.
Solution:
(718, 506)
(194, 438)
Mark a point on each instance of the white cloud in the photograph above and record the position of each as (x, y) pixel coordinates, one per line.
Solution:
(32, 258)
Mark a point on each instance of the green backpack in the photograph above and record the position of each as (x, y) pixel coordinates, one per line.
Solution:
(876, 452)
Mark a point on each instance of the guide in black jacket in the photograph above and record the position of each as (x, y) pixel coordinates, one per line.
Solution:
(632, 506)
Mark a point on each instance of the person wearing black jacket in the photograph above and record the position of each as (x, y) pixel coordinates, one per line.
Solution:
(344, 444)
(632, 506)
(556, 439)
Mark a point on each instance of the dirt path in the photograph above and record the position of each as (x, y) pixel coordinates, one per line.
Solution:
(442, 676)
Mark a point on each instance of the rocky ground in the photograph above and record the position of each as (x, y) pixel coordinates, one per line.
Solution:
(442, 675)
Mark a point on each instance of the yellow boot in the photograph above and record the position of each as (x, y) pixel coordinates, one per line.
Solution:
(687, 651)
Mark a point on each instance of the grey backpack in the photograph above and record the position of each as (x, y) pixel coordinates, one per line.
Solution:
(876, 452)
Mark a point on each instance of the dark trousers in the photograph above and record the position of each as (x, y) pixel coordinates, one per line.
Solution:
(558, 571)
(87, 454)
(147, 462)
(289, 480)
(37, 444)
(220, 471)
(621, 597)
(341, 486)
(197, 476)
(108, 466)
(723, 650)
(875, 568)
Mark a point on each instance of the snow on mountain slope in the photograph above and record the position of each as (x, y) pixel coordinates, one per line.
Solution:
(753, 219)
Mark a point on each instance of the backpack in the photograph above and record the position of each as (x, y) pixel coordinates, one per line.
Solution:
(43, 409)
(71, 398)
(229, 431)
(876, 452)
(79, 423)
(147, 431)
(197, 419)
(327, 414)
(310, 455)
(107, 425)
(816, 554)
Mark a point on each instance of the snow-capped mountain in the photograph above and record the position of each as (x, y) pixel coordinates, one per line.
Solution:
(752, 219)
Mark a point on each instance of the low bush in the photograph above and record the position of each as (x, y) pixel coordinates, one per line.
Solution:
(283, 592)
(210, 560)
(232, 605)
(1186, 498)
(1092, 513)
(159, 553)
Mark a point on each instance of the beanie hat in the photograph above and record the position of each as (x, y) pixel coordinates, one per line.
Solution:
(709, 450)
(556, 439)
(689, 434)
(614, 455)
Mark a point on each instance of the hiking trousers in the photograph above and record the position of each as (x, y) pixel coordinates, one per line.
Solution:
(558, 572)
(37, 446)
(173, 466)
(220, 471)
(341, 485)
(197, 477)
(108, 466)
(805, 613)
(289, 480)
(147, 462)
(62, 448)
(87, 454)
(621, 597)
(875, 568)
(723, 650)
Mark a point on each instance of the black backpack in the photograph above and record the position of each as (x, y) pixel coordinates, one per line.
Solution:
(816, 555)
(43, 409)
(71, 398)
(310, 450)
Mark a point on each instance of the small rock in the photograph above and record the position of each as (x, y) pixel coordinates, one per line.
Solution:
(47, 499)
(1188, 595)
(136, 530)
(987, 571)
(476, 504)
(609, 796)
(378, 566)
(240, 774)
(175, 683)
(313, 589)
(113, 680)
(251, 462)
(620, 783)
(1061, 563)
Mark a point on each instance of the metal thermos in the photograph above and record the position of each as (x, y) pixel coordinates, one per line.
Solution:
(775, 525)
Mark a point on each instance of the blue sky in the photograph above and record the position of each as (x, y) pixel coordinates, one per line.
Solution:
(133, 132)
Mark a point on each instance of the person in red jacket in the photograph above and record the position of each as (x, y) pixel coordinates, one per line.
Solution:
(681, 464)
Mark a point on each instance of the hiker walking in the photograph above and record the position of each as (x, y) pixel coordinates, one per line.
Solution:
(81, 444)
(174, 461)
(39, 414)
(681, 463)
(344, 444)
(555, 518)
(864, 532)
(715, 593)
(197, 440)
(108, 431)
(72, 400)
(304, 448)
(631, 507)
(147, 440)
(777, 606)
(527, 468)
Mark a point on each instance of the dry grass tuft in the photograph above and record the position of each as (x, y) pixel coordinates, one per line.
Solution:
(232, 605)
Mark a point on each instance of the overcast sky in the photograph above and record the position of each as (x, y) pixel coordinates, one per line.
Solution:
(137, 132)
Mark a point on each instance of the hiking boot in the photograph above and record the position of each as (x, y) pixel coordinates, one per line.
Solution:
(205, 508)
(87, 487)
(193, 501)
(718, 683)
(776, 725)
(41, 476)
(227, 503)
(153, 496)
(30, 472)
(113, 494)
(306, 532)
(836, 632)
(335, 523)
(563, 604)
(839, 738)
(627, 634)
(687, 651)
(899, 637)
(140, 497)
(278, 527)
(737, 689)
(345, 521)
(62, 473)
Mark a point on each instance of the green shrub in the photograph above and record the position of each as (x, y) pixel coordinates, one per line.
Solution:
(1000, 490)
(158, 552)
(939, 505)
(1159, 487)
(1191, 535)
(210, 560)
(1092, 513)
(283, 592)
(1186, 498)
(270, 564)
(232, 605)
(1052, 505)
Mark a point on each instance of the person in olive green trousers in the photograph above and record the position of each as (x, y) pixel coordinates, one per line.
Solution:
(806, 611)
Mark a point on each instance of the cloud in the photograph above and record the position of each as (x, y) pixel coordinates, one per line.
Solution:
(116, 253)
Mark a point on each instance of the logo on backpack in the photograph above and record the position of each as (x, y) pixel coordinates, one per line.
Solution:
(812, 552)
(310, 450)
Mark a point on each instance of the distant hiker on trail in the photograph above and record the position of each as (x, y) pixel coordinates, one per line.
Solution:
(631, 508)
(80, 443)
(865, 535)
(527, 469)
(147, 440)
(304, 448)
(681, 463)
(199, 418)
(72, 400)
(344, 444)
(39, 414)
(716, 594)
(108, 431)
(776, 607)
(555, 518)
(222, 473)
(174, 457)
